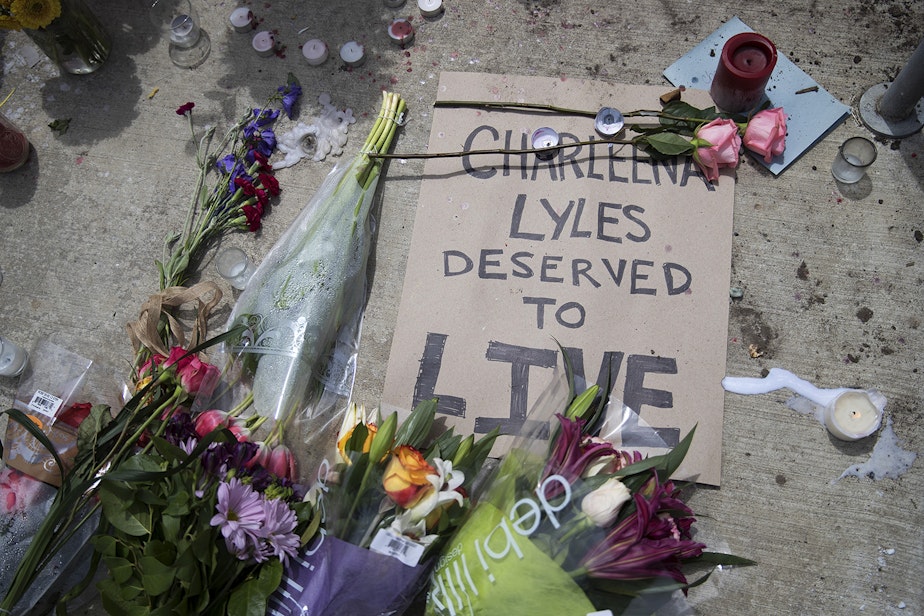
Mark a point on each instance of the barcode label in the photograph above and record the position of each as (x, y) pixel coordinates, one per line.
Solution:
(45, 403)
(390, 543)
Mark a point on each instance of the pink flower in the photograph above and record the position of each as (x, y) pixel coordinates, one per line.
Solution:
(766, 133)
(211, 420)
(282, 462)
(198, 376)
(185, 108)
(723, 141)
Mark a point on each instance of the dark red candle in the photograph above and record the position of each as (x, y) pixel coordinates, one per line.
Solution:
(745, 65)
(14, 147)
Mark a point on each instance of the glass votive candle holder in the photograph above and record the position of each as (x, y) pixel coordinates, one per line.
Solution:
(235, 266)
(13, 358)
(854, 156)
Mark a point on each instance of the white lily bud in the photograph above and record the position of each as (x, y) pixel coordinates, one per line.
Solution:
(603, 504)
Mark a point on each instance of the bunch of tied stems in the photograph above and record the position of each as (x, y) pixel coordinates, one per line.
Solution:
(315, 274)
(104, 443)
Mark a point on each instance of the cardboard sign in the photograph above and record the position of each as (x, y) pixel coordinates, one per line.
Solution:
(622, 260)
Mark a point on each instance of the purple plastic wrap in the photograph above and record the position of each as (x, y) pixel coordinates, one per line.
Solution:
(341, 579)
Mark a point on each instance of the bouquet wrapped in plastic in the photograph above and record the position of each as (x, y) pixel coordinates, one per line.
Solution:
(571, 525)
(385, 504)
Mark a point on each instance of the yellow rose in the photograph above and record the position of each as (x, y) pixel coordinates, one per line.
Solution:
(405, 480)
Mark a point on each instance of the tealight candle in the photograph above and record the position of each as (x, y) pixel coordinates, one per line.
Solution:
(852, 416)
(315, 52)
(352, 53)
(545, 137)
(609, 122)
(264, 43)
(744, 68)
(241, 19)
(430, 8)
(401, 32)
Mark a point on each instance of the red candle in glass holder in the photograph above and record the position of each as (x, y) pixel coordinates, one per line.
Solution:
(14, 146)
(745, 65)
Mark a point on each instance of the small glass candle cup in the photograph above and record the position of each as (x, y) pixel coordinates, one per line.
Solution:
(13, 358)
(745, 65)
(854, 156)
(235, 266)
(178, 22)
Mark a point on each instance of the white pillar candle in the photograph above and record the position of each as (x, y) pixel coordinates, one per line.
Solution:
(264, 43)
(241, 19)
(352, 53)
(852, 416)
(430, 8)
(401, 32)
(315, 52)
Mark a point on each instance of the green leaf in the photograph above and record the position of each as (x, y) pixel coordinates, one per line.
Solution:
(130, 517)
(115, 603)
(120, 569)
(249, 599)
(416, 428)
(717, 558)
(668, 144)
(156, 576)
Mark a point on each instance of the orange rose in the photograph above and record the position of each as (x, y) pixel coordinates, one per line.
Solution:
(405, 479)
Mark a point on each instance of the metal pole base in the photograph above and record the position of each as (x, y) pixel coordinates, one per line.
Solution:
(896, 129)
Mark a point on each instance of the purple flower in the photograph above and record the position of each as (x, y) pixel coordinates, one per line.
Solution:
(279, 523)
(290, 93)
(220, 458)
(180, 429)
(241, 515)
(572, 452)
(651, 542)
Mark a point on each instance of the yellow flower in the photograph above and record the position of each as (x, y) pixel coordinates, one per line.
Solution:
(34, 14)
(8, 22)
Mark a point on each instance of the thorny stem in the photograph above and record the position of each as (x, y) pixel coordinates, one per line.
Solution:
(553, 148)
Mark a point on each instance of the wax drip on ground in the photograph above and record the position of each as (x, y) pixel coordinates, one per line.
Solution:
(888, 460)
(327, 134)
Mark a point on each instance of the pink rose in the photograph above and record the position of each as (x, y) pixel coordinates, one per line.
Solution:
(766, 133)
(722, 136)
(197, 375)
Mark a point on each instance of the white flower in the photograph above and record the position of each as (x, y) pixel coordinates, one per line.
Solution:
(603, 504)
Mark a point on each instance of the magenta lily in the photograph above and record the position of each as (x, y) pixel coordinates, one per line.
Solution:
(650, 543)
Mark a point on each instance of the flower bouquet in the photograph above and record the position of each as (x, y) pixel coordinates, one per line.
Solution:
(385, 506)
(571, 525)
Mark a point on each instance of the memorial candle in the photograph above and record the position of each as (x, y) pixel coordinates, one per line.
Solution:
(241, 19)
(852, 416)
(264, 43)
(745, 65)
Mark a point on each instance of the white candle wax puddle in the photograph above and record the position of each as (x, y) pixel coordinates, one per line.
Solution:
(848, 414)
(888, 460)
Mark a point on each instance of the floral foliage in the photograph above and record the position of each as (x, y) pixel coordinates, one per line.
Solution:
(399, 479)
(585, 527)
